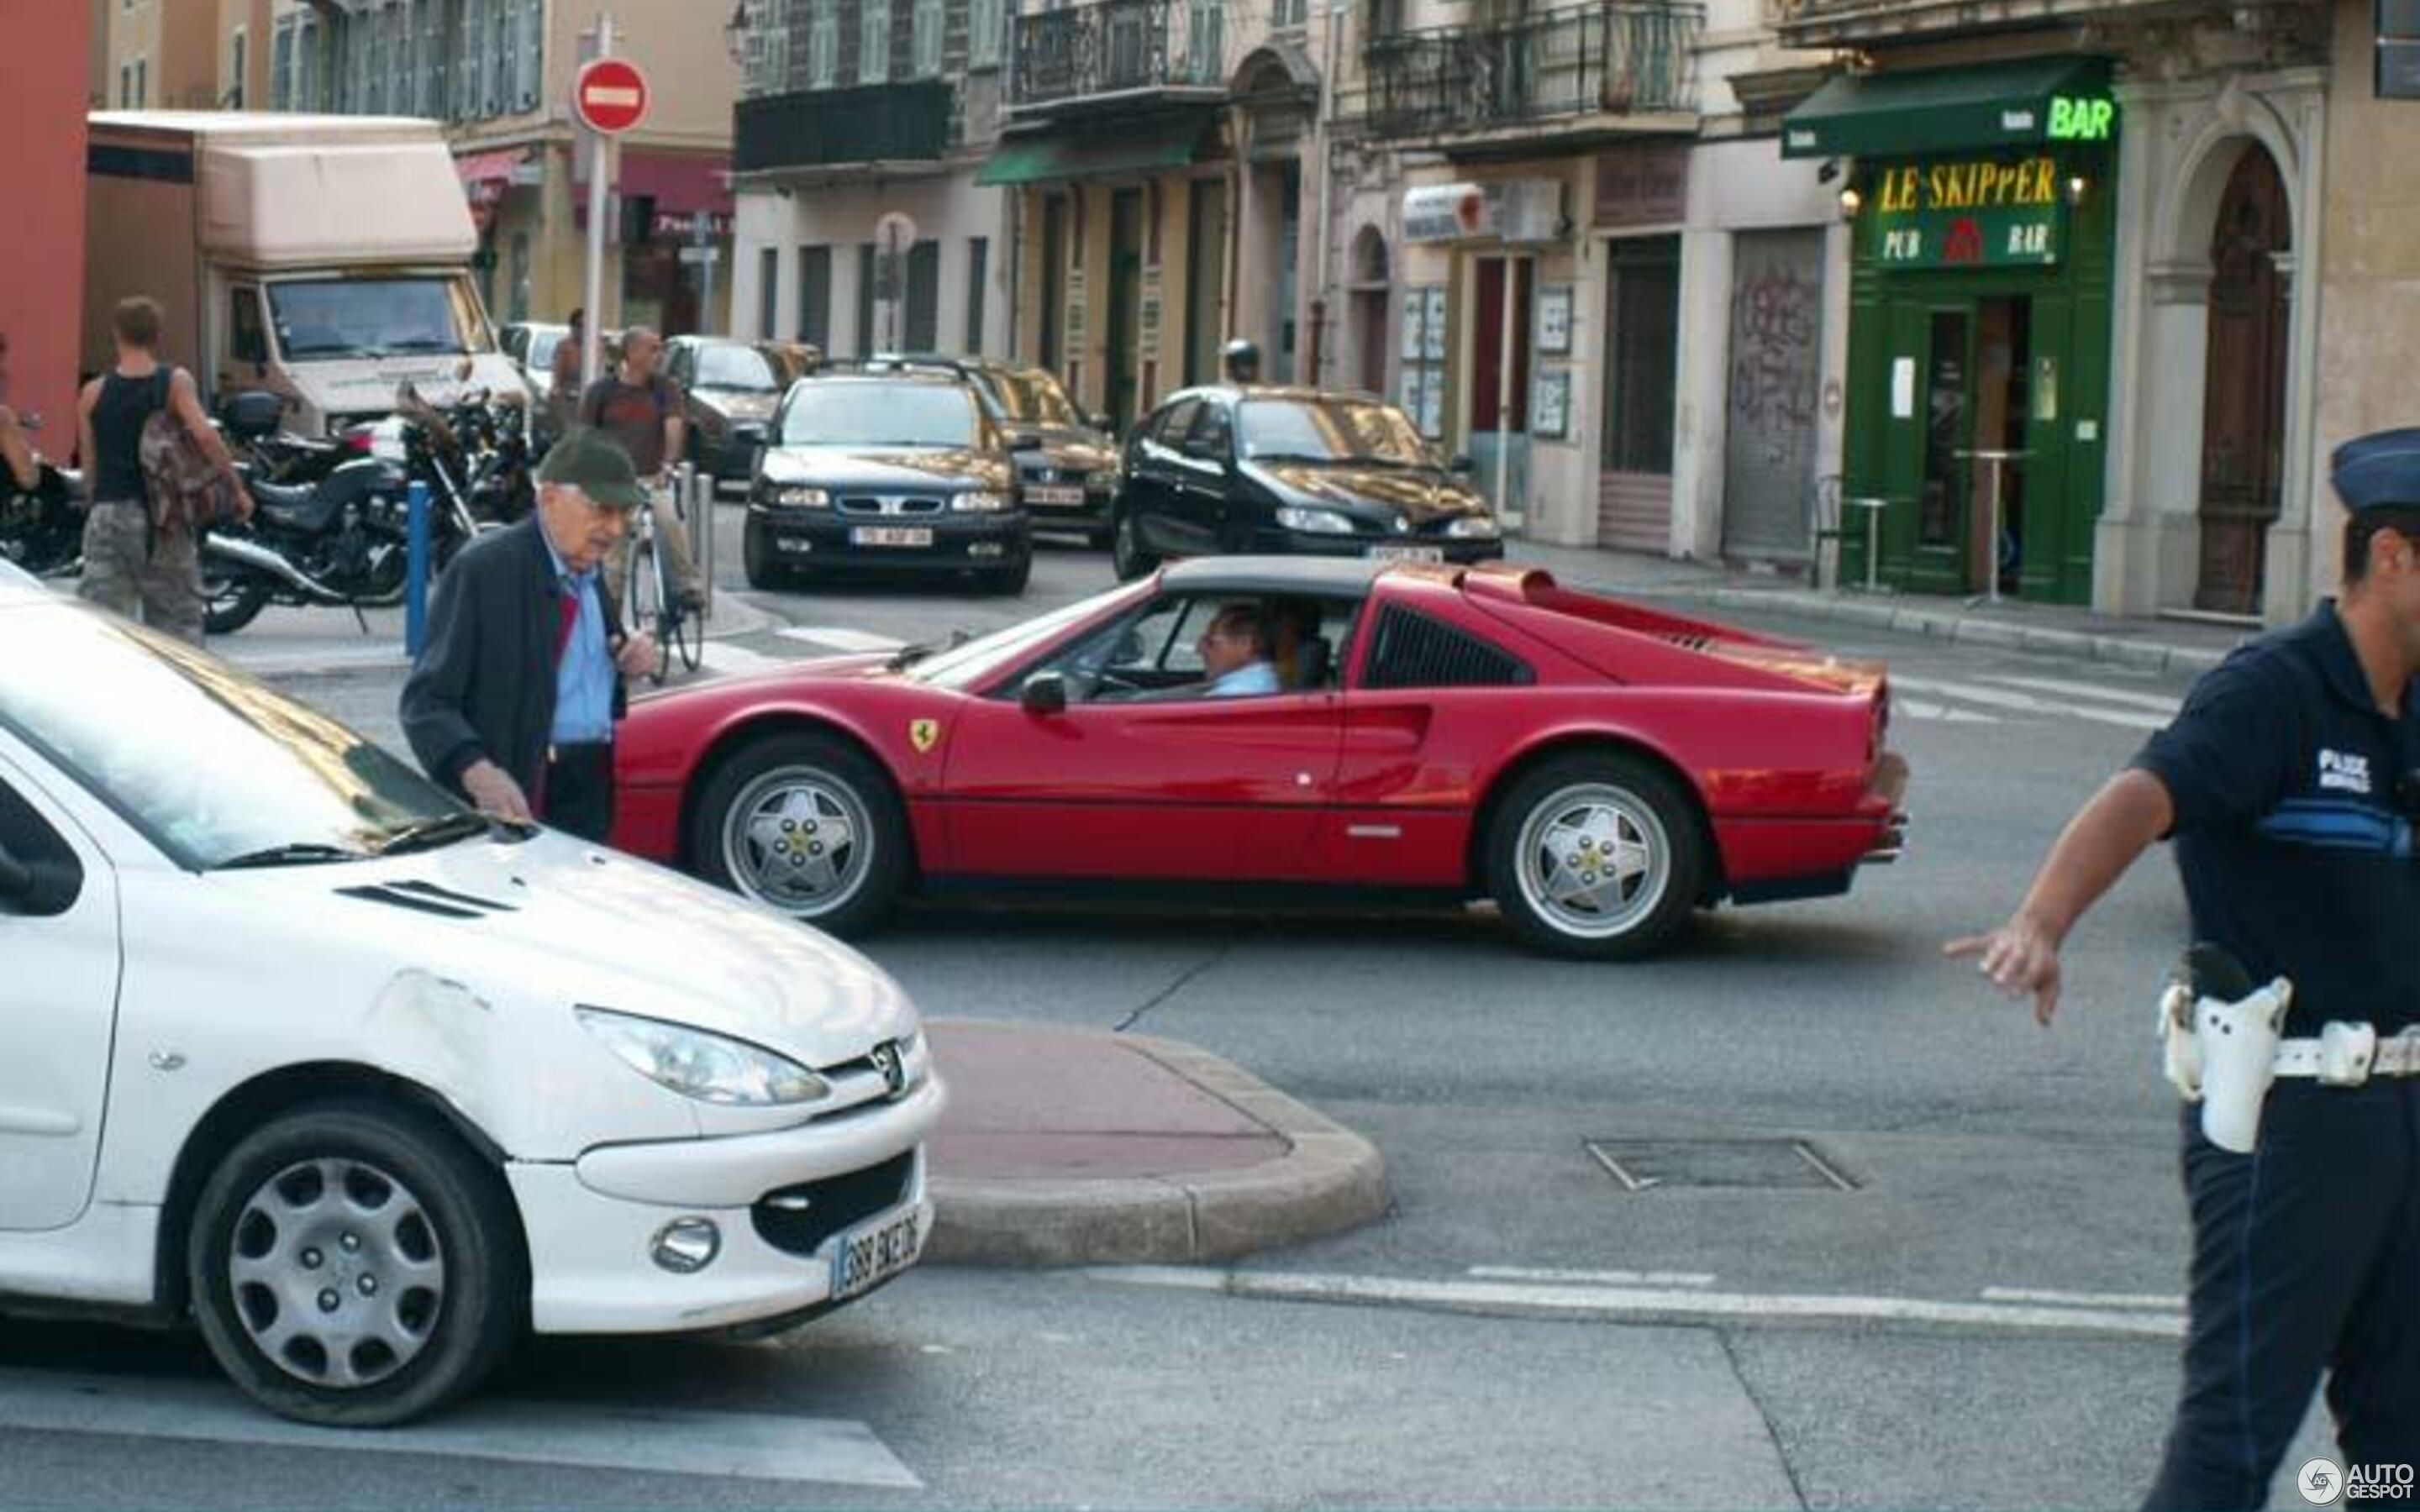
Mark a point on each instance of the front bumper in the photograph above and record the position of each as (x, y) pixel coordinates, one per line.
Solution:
(591, 1223)
(825, 540)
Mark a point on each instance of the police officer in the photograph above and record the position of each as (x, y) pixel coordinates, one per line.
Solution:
(1241, 361)
(2290, 782)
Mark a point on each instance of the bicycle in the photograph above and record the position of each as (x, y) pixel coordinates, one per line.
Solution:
(647, 590)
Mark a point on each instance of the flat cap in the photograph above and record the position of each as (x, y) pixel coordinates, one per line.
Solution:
(2378, 469)
(595, 463)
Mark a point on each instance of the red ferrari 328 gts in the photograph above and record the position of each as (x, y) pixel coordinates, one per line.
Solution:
(1597, 768)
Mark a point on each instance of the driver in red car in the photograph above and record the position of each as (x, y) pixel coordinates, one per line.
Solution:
(1236, 652)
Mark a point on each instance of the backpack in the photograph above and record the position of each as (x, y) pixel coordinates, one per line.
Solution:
(188, 491)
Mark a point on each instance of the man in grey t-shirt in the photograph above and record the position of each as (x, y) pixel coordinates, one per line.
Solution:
(643, 410)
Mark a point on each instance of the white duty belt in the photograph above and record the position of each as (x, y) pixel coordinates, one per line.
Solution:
(2348, 1054)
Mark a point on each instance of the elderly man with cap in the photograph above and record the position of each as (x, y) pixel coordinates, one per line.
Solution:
(513, 700)
(2290, 782)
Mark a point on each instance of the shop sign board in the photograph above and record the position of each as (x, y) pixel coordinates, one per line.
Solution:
(1977, 214)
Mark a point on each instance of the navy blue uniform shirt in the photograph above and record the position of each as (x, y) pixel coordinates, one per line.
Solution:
(2289, 833)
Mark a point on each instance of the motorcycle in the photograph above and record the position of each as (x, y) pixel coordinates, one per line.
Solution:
(342, 541)
(41, 528)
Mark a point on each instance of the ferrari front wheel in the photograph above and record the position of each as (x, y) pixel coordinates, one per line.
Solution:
(1598, 855)
(806, 825)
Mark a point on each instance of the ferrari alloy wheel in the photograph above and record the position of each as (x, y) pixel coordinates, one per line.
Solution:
(805, 825)
(354, 1264)
(1595, 856)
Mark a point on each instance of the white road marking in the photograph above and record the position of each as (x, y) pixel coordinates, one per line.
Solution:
(730, 660)
(2001, 697)
(1648, 1304)
(1918, 709)
(1594, 1278)
(668, 1441)
(2135, 1300)
(2158, 702)
(841, 639)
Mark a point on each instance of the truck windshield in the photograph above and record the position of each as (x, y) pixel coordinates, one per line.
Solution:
(366, 317)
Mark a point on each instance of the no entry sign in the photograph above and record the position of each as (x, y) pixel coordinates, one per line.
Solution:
(609, 95)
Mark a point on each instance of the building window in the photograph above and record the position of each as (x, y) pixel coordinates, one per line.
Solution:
(929, 18)
(1289, 12)
(873, 42)
(922, 330)
(985, 21)
(865, 299)
(281, 66)
(142, 82)
(310, 72)
(823, 44)
(433, 62)
(768, 289)
(238, 63)
(126, 86)
(815, 297)
(769, 50)
(530, 63)
(977, 273)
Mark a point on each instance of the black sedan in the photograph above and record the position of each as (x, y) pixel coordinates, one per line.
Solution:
(732, 390)
(885, 474)
(1230, 469)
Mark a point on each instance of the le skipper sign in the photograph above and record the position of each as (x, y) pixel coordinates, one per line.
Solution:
(1991, 213)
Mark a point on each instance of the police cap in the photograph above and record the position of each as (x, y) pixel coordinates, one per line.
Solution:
(2380, 471)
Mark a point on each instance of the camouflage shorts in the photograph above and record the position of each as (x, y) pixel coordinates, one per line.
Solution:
(131, 567)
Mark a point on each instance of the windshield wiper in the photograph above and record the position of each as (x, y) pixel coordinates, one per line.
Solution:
(420, 344)
(429, 834)
(909, 656)
(307, 853)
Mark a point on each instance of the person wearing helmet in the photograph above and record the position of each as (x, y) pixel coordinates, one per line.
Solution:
(1241, 359)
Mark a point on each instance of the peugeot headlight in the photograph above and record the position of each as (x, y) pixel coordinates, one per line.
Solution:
(1102, 481)
(979, 501)
(802, 498)
(1474, 528)
(707, 1067)
(1315, 521)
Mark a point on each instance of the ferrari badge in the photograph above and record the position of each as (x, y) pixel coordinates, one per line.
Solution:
(923, 733)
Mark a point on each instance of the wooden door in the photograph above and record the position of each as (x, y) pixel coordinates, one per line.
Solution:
(2244, 408)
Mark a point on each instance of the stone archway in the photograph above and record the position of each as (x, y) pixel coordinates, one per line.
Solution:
(2243, 393)
(1372, 282)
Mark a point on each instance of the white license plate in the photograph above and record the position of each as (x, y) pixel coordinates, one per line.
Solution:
(891, 535)
(1055, 497)
(868, 1257)
(1407, 553)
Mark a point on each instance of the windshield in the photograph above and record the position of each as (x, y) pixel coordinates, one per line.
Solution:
(369, 317)
(966, 668)
(542, 346)
(1329, 430)
(1032, 397)
(880, 414)
(734, 367)
(209, 764)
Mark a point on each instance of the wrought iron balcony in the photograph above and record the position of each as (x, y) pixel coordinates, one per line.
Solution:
(2293, 29)
(1119, 52)
(1613, 58)
(887, 123)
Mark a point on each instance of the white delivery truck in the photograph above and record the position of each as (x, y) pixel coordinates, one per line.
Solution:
(326, 258)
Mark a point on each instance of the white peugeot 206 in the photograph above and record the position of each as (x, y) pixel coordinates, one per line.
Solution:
(369, 1087)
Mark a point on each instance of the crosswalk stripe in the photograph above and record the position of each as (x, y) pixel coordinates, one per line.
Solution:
(2159, 702)
(724, 657)
(842, 638)
(1919, 709)
(658, 1440)
(2001, 697)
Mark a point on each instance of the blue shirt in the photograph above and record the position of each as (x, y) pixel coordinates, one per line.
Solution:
(1257, 677)
(2293, 795)
(584, 675)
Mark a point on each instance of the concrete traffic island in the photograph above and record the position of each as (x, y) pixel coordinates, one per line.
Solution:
(1078, 1147)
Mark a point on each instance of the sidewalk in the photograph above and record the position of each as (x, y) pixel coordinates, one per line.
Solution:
(328, 642)
(1077, 1146)
(2066, 629)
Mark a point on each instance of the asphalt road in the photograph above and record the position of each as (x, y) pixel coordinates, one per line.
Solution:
(1985, 1317)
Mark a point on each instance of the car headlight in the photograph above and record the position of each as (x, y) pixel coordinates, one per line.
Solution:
(979, 501)
(1104, 481)
(1316, 521)
(1474, 528)
(802, 498)
(707, 1067)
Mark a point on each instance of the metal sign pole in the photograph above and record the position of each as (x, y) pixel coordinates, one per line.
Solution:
(591, 336)
(701, 526)
(1504, 396)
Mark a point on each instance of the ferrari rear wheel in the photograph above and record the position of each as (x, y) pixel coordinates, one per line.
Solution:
(1597, 855)
(805, 825)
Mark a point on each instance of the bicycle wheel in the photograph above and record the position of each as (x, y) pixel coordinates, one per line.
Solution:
(689, 637)
(644, 609)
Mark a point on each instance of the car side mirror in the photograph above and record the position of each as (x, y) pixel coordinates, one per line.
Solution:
(1044, 693)
(1462, 465)
(1100, 421)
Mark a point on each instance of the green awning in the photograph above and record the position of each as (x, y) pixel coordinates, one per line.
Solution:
(2026, 103)
(1124, 148)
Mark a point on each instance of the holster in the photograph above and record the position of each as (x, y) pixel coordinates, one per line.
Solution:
(2222, 1055)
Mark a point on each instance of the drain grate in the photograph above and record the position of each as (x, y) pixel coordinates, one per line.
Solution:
(1763, 1164)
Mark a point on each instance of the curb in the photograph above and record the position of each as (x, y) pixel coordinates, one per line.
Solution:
(733, 619)
(1330, 1180)
(2151, 656)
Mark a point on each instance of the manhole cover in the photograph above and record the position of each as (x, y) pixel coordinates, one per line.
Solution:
(1645, 1164)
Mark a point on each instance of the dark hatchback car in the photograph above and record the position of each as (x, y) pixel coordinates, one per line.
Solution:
(1232, 469)
(876, 474)
(732, 389)
(1066, 461)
